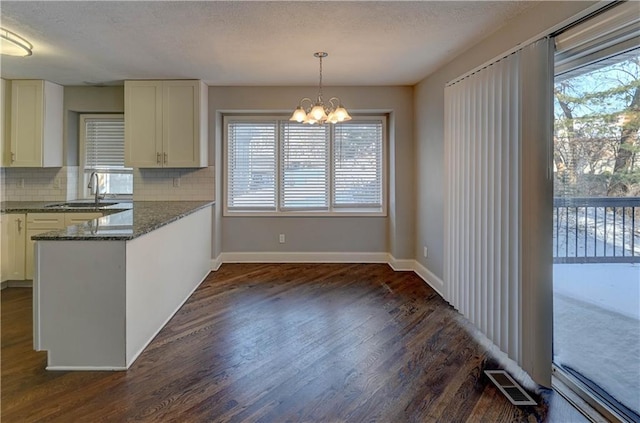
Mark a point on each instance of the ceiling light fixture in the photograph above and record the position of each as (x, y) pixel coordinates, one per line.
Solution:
(11, 44)
(334, 112)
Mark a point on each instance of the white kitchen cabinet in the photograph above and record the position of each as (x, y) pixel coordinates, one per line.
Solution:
(38, 223)
(166, 124)
(78, 218)
(36, 124)
(4, 135)
(13, 246)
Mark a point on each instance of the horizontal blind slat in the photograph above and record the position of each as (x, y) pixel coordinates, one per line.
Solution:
(358, 164)
(251, 165)
(305, 166)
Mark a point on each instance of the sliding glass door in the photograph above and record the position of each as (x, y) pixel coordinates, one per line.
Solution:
(597, 229)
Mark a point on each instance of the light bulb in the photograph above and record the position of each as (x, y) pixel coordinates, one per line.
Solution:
(298, 115)
(342, 114)
(318, 112)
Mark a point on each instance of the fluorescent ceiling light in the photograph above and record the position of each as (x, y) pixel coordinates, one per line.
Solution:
(11, 44)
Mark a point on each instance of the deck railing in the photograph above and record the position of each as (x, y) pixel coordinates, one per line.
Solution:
(596, 230)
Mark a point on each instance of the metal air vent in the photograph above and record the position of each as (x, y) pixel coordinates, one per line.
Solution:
(509, 387)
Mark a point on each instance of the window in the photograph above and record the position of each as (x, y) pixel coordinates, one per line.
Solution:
(102, 151)
(276, 166)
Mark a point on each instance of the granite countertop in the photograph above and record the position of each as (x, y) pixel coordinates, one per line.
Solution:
(127, 220)
(106, 206)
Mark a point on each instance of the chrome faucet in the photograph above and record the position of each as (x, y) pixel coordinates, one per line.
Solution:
(94, 184)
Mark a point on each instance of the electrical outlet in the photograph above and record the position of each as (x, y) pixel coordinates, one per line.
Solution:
(281, 238)
(21, 183)
(56, 183)
(425, 252)
(176, 182)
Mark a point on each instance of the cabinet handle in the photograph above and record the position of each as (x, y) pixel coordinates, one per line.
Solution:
(158, 157)
(166, 157)
(19, 225)
(13, 157)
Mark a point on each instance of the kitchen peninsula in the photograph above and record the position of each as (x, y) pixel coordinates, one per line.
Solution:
(105, 288)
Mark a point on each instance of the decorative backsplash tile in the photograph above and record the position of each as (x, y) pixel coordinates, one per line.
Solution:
(173, 184)
(35, 184)
(61, 184)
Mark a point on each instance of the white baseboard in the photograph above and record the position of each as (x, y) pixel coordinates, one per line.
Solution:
(84, 368)
(17, 284)
(397, 265)
(216, 263)
(297, 257)
(400, 265)
(432, 280)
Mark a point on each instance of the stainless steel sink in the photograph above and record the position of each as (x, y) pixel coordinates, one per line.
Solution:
(79, 205)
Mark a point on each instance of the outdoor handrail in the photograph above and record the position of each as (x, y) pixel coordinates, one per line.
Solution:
(596, 230)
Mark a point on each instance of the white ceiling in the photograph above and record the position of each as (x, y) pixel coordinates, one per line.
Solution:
(246, 42)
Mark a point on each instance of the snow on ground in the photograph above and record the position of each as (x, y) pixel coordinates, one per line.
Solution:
(597, 325)
(614, 287)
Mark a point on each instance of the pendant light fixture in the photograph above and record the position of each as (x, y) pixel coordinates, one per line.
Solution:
(318, 112)
(11, 44)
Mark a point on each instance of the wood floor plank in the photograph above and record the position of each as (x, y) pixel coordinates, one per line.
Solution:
(274, 343)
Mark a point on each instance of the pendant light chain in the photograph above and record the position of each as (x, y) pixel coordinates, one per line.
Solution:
(320, 56)
(320, 113)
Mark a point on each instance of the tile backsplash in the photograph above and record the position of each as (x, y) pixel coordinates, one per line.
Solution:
(173, 184)
(61, 184)
(36, 184)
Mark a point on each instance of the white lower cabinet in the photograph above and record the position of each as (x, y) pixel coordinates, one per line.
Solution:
(13, 246)
(38, 223)
(78, 218)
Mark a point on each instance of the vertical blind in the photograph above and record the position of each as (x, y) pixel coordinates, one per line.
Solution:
(497, 140)
(104, 144)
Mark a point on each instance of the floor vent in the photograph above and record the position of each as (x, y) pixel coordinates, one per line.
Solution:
(509, 387)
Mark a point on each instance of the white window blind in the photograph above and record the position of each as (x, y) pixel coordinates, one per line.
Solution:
(357, 159)
(251, 165)
(273, 165)
(104, 144)
(305, 166)
(102, 152)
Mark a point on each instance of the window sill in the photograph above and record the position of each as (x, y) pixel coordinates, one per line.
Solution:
(344, 213)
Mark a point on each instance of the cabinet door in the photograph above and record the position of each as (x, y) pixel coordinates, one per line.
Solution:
(13, 243)
(184, 124)
(143, 123)
(27, 100)
(78, 218)
(39, 223)
(4, 139)
(36, 124)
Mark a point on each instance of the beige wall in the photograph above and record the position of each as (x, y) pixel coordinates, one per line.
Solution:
(86, 100)
(393, 233)
(429, 118)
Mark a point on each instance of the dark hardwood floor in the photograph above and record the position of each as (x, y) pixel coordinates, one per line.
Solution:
(277, 343)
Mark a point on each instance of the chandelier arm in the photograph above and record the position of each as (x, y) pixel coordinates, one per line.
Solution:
(303, 100)
(335, 102)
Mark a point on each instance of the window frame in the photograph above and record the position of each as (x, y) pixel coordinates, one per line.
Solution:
(330, 211)
(83, 192)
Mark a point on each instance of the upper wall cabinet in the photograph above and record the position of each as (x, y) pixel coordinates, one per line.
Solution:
(165, 124)
(36, 124)
(3, 120)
